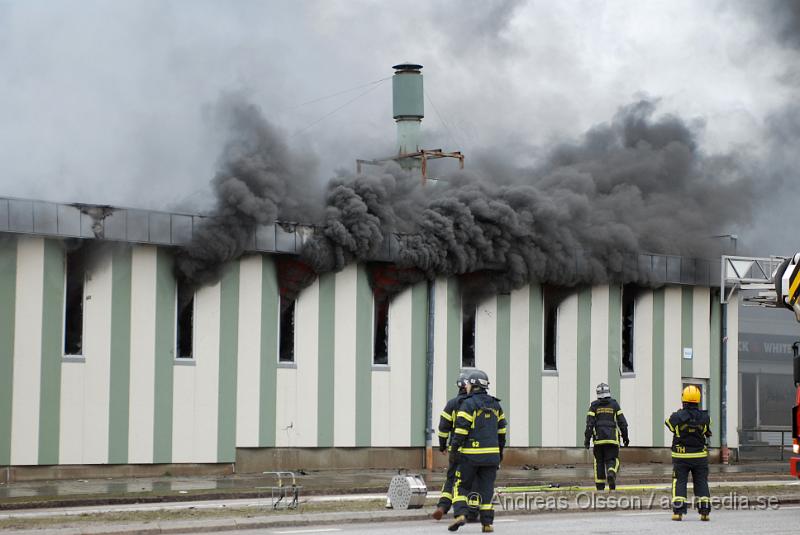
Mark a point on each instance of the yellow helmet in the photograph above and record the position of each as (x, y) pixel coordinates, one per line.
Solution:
(691, 394)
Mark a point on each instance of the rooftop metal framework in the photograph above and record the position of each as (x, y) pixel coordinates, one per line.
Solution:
(85, 221)
(750, 274)
(423, 155)
(132, 225)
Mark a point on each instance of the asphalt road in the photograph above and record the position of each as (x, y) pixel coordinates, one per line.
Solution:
(775, 522)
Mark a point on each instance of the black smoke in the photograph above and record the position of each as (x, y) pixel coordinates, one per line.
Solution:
(637, 184)
(258, 181)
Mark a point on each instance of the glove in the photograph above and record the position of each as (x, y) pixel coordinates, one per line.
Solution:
(625, 442)
(501, 455)
(442, 449)
(586, 444)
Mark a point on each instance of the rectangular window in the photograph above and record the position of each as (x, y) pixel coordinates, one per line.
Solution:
(286, 333)
(184, 335)
(776, 397)
(468, 335)
(73, 306)
(380, 350)
(629, 292)
(552, 297)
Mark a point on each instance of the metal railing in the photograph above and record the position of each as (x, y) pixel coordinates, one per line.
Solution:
(765, 443)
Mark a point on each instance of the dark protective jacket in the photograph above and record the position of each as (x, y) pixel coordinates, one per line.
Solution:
(605, 422)
(480, 429)
(690, 427)
(447, 419)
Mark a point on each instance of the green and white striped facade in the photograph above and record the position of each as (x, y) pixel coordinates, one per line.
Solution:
(128, 400)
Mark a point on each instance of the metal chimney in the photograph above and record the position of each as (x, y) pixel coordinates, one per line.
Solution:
(407, 106)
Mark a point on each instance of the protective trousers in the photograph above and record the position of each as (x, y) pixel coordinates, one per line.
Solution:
(480, 478)
(606, 462)
(446, 499)
(681, 468)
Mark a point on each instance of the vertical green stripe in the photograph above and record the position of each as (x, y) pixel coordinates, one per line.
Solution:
(584, 361)
(687, 328)
(325, 363)
(8, 290)
(52, 323)
(454, 325)
(535, 359)
(363, 359)
(715, 384)
(614, 339)
(119, 391)
(658, 368)
(228, 363)
(503, 355)
(269, 353)
(419, 372)
(164, 357)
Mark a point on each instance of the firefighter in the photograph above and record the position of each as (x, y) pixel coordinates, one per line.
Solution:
(446, 420)
(605, 423)
(477, 447)
(690, 427)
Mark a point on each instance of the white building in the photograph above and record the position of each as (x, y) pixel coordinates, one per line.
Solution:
(99, 379)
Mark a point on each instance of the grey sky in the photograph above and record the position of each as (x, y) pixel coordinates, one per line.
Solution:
(111, 102)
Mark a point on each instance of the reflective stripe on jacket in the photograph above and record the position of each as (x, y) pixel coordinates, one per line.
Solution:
(605, 422)
(480, 429)
(690, 427)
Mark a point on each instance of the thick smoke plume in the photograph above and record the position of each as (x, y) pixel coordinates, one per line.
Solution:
(782, 20)
(637, 184)
(258, 181)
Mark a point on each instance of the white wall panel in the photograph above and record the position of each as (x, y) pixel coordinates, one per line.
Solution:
(673, 354)
(97, 367)
(567, 370)
(486, 339)
(701, 316)
(248, 381)
(27, 352)
(143, 342)
(521, 389)
(297, 387)
(344, 393)
(598, 364)
(194, 437)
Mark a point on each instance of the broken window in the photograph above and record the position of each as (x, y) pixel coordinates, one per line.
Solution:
(185, 321)
(629, 292)
(380, 353)
(468, 313)
(552, 297)
(73, 307)
(286, 332)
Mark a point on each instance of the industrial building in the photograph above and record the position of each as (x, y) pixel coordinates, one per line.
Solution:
(98, 366)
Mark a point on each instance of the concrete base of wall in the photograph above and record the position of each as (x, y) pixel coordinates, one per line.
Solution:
(251, 460)
(255, 460)
(91, 471)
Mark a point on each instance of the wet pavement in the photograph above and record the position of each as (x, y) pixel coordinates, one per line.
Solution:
(348, 481)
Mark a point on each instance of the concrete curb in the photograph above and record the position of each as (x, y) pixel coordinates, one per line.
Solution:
(245, 493)
(299, 520)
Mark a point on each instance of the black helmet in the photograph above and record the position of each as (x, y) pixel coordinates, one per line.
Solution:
(478, 378)
(603, 391)
(461, 382)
